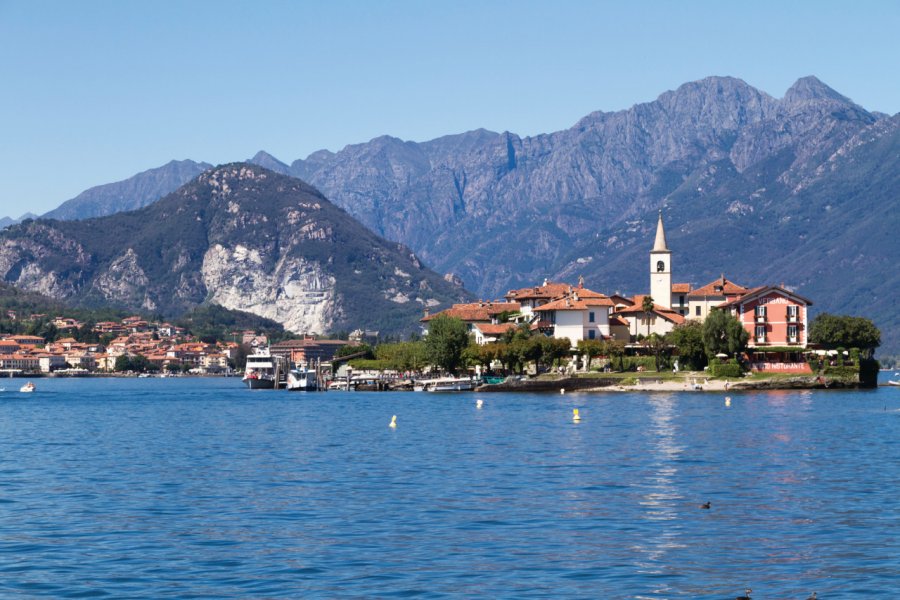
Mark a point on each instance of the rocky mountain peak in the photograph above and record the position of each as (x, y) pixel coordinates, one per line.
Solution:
(811, 88)
(264, 159)
(239, 235)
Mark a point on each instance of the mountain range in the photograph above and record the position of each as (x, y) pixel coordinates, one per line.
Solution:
(238, 236)
(800, 189)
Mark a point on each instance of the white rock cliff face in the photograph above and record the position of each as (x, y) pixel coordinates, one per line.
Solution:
(295, 292)
(125, 282)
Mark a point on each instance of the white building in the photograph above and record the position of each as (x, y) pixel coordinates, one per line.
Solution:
(581, 314)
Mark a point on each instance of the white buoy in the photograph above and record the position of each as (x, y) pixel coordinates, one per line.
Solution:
(479, 403)
(727, 400)
(575, 416)
(562, 390)
(393, 424)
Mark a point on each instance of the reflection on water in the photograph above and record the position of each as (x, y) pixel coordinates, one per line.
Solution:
(661, 498)
(175, 488)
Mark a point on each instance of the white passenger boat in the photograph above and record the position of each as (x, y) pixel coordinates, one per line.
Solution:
(301, 379)
(28, 388)
(450, 384)
(259, 373)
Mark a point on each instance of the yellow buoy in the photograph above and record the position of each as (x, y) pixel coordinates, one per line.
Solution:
(479, 403)
(393, 424)
(727, 400)
(575, 416)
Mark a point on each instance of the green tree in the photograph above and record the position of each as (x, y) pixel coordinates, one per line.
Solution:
(592, 348)
(446, 340)
(688, 340)
(659, 347)
(553, 349)
(723, 333)
(350, 349)
(402, 356)
(123, 363)
(844, 331)
(647, 307)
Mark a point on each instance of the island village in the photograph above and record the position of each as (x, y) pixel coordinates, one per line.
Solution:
(589, 327)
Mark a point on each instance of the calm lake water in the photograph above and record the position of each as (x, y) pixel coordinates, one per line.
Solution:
(191, 488)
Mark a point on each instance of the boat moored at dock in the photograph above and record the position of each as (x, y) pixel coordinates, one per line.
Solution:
(301, 379)
(259, 373)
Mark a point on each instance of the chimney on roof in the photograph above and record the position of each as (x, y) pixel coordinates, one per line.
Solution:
(581, 281)
(545, 281)
(427, 312)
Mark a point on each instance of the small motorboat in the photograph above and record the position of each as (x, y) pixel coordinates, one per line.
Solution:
(28, 387)
(892, 382)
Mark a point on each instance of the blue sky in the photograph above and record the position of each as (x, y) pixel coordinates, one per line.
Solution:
(93, 92)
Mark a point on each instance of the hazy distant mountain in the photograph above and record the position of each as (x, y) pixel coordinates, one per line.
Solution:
(7, 221)
(135, 192)
(239, 236)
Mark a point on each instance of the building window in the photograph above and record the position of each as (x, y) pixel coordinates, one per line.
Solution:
(760, 311)
(792, 312)
(592, 334)
(590, 317)
(792, 333)
(697, 313)
(760, 333)
(681, 300)
(660, 266)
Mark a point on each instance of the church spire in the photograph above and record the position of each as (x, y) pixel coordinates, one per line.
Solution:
(660, 244)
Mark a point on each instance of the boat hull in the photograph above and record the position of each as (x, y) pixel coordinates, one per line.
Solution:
(259, 383)
(458, 386)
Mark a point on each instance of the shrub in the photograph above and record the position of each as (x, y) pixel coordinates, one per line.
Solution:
(631, 363)
(727, 369)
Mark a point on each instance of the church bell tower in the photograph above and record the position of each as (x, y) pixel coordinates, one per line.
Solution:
(661, 267)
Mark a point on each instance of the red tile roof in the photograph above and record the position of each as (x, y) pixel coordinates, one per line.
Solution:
(765, 289)
(662, 311)
(681, 288)
(719, 287)
(571, 303)
(494, 330)
(476, 311)
(546, 291)
(620, 299)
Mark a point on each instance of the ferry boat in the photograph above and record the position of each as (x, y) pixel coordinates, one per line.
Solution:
(259, 374)
(301, 379)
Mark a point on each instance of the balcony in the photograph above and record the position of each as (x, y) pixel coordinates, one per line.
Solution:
(793, 318)
(760, 339)
(793, 339)
(760, 318)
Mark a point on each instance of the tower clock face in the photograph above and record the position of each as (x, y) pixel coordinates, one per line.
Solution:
(660, 266)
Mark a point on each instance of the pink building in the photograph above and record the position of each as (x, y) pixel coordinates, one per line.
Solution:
(773, 316)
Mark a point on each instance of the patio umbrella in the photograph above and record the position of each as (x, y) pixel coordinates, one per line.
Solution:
(721, 355)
